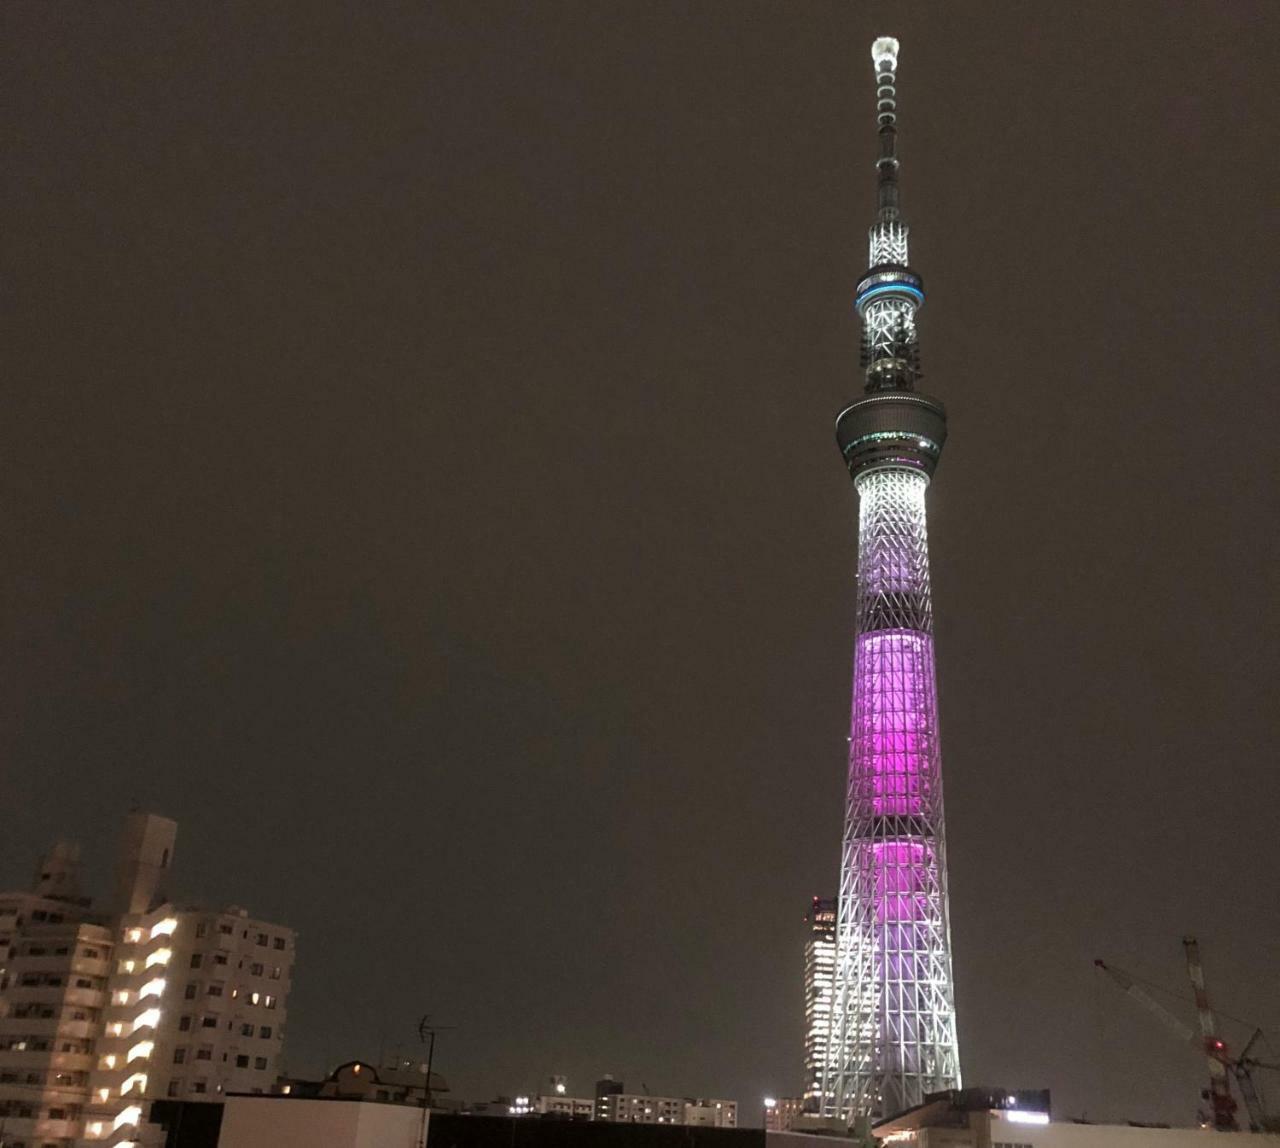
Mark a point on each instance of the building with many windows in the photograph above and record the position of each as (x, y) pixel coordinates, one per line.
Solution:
(819, 974)
(615, 1105)
(55, 959)
(101, 1013)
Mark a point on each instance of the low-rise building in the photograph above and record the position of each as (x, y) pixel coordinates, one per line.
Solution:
(985, 1118)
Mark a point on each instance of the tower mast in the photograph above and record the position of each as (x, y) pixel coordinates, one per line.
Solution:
(893, 1035)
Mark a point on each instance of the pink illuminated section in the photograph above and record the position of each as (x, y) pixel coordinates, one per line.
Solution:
(892, 745)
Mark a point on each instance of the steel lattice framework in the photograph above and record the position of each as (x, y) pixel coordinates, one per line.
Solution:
(893, 1036)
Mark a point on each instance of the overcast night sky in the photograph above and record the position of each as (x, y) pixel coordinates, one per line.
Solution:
(419, 481)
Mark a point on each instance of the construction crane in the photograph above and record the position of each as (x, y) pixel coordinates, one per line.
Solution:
(1222, 1066)
(1219, 1094)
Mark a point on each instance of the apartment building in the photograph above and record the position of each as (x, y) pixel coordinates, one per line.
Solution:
(102, 1013)
(55, 960)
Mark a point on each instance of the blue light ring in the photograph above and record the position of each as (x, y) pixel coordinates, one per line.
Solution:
(900, 289)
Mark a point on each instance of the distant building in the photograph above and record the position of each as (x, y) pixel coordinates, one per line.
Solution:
(614, 1105)
(819, 984)
(606, 1087)
(781, 1115)
(103, 1012)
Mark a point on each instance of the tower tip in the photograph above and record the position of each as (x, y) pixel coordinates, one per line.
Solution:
(885, 48)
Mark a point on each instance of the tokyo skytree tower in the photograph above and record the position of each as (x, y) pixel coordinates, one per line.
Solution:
(893, 1028)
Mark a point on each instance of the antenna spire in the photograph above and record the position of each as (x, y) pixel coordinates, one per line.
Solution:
(884, 55)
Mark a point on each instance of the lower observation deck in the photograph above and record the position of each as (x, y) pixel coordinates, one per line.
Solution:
(892, 428)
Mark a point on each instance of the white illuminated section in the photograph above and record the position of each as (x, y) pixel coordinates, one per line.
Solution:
(133, 936)
(122, 997)
(164, 928)
(109, 1061)
(117, 1029)
(885, 48)
(138, 1080)
(130, 1115)
(1017, 1116)
(148, 1019)
(159, 957)
(153, 988)
(140, 1050)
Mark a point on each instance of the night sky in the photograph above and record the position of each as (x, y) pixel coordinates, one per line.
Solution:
(419, 481)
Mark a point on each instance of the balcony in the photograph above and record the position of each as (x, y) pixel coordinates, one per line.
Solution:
(46, 1060)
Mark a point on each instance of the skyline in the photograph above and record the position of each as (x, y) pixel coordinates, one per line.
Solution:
(380, 394)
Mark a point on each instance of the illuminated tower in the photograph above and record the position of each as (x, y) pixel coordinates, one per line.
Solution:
(893, 1036)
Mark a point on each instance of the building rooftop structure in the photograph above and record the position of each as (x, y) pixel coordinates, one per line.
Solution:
(999, 1118)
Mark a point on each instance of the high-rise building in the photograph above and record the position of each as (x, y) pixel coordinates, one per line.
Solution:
(55, 958)
(893, 1024)
(102, 1013)
(819, 977)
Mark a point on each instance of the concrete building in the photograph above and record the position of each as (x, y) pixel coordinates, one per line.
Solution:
(982, 1118)
(102, 1013)
(819, 980)
(634, 1108)
(781, 1114)
(55, 959)
(286, 1122)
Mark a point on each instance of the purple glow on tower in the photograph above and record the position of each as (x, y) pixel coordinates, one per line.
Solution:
(892, 743)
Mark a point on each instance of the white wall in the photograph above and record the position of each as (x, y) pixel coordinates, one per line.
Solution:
(1114, 1136)
(288, 1122)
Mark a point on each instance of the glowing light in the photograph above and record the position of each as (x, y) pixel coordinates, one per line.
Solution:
(138, 1080)
(769, 1102)
(885, 50)
(133, 936)
(109, 1061)
(130, 1115)
(148, 1019)
(164, 928)
(141, 1049)
(116, 1029)
(159, 957)
(96, 1127)
(1016, 1116)
(153, 988)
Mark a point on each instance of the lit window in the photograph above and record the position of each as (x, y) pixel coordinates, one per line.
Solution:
(164, 928)
(133, 936)
(130, 1115)
(148, 1019)
(140, 1050)
(138, 1080)
(152, 988)
(159, 957)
